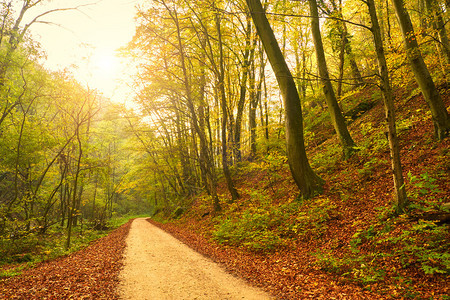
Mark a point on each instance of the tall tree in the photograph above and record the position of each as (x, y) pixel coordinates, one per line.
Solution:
(337, 117)
(223, 102)
(307, 181)
(243, 89)
(388, 97)
(441, 119)
(190, 103)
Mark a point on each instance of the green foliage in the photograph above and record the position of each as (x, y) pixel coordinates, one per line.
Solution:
(358, 268)
(424, 187)
(323, 161)
(371, 165)
(415, 117)
(424, 245)
(311, 223)
(265, 226)
(178, 212)
(255, 229)
(374, 140)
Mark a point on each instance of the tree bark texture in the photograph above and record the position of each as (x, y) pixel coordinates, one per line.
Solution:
(307, 181)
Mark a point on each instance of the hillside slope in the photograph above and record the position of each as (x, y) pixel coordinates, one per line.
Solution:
(344, 243)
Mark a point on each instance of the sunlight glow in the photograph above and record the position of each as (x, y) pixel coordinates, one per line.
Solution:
(106, 72)
(84, 42)
(106, 63)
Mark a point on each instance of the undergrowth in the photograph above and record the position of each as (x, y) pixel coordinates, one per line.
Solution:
(423, 245)
(264, 226)
(392, 245)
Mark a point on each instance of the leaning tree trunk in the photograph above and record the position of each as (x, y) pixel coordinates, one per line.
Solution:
(337, 118)
(307, 181)
(399, 186)
(439, 112)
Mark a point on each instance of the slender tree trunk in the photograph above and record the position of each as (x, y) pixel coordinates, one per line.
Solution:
(186, 180)
(223, 101)
(388, 24)
(72, 206)
(19, 148)
(253, 103)
(347, 47)
(337, 118)
(439, 112)
(242, 94)
(307, 181)
(399, 185)
(204, 149)
(341, 69)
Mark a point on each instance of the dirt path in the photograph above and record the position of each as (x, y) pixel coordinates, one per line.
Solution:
(158, 266)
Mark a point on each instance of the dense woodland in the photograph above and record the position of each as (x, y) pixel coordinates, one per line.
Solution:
(259, 121)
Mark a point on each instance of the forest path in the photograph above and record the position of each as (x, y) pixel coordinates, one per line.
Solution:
(158, 266)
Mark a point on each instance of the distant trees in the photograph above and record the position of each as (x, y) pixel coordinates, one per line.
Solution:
(209, 105)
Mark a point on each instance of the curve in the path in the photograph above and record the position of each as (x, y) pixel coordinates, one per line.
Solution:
(158, 266)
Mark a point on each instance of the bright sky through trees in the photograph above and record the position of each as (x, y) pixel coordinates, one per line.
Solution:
(85, 41)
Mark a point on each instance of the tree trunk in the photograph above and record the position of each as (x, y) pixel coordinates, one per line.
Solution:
(243, 91)
(252, 105)
(341, 68)
(72, 207)
(346, 46)
(223, 102)
(399, 186)
(337, 118)
(307, 181)
(439, 112)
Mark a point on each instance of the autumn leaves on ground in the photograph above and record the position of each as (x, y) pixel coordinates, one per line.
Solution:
(350, 247)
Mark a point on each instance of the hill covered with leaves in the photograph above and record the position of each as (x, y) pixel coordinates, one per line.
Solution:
(345, 242)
